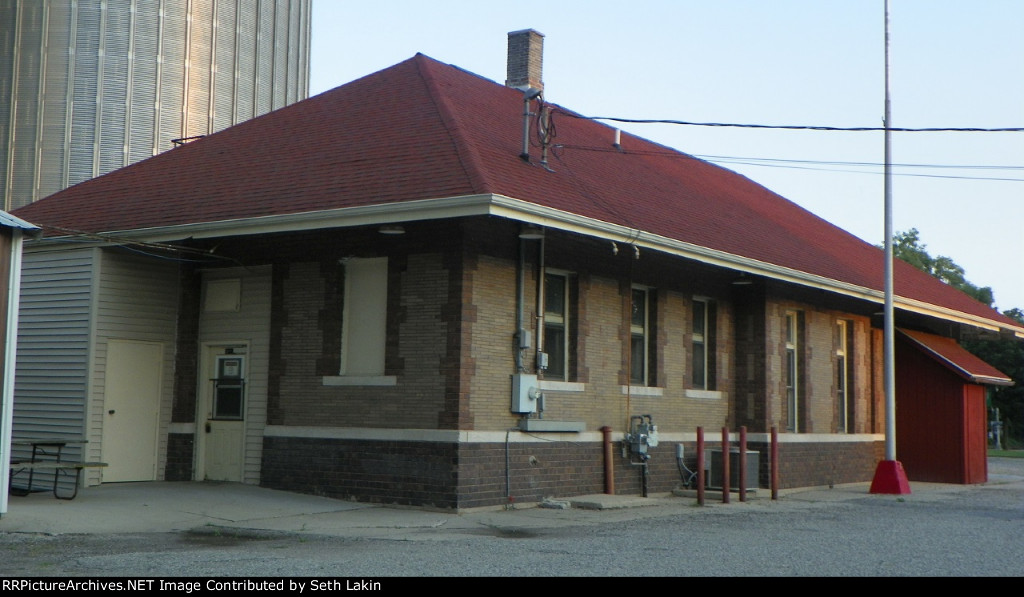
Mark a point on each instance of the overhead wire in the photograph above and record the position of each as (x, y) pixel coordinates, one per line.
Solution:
(808, 164)
(799, 127)
(137, 245)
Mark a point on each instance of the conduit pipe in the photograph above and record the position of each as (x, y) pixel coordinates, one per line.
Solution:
(540, 298)
(520, 299)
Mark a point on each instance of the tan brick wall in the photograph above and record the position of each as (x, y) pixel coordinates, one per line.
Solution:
(602, 338)
(818, 377)
(415, 402)
(492, 288)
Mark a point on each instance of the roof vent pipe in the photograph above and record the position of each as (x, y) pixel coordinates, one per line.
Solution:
(528, 95)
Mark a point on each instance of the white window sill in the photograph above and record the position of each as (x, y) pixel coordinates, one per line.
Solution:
(704, 394)
(642, 391)
(356, 380)
(562, 386)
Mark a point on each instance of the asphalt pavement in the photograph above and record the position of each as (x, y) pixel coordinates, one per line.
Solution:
(204, 532)
(156, 507)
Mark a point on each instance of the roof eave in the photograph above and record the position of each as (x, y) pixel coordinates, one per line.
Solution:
(528, 212)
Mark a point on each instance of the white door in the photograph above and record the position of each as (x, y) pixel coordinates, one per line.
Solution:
(225, 406)
(131, 415)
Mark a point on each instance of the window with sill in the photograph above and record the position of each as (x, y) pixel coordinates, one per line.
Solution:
(641, 335)
(791, 373)
(558, 326)
(364, 317)
(702, 365)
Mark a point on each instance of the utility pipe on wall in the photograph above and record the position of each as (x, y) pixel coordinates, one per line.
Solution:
(520, 300)
(540, 299)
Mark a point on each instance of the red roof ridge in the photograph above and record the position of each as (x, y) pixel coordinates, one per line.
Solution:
(449, 116)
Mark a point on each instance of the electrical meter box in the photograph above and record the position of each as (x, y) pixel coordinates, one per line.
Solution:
(525, 393)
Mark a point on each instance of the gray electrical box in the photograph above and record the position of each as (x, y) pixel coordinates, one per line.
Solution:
(525, 393)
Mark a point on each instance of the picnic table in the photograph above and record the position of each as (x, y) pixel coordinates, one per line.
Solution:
(48, 454)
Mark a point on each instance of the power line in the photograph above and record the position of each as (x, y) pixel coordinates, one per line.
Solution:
(800, 127)
(809, 164)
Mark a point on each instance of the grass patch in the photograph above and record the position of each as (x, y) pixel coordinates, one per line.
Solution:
(1007, 453)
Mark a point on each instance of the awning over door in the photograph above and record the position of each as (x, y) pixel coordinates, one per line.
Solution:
(957, 358)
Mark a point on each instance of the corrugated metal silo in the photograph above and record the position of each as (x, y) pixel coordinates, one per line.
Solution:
(89, 86)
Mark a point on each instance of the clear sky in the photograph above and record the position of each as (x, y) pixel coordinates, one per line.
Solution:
(953, 64)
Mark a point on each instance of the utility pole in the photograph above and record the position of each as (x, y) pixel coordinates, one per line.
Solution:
(889, 475)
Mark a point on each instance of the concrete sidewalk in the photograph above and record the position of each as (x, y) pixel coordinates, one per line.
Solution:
(154, 507)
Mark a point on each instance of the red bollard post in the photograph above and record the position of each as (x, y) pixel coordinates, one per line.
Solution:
(743, 464)
(700, 466)
(775, 463)
(726, 453)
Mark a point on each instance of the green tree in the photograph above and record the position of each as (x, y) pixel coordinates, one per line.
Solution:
(908, 247)
(1005, 354)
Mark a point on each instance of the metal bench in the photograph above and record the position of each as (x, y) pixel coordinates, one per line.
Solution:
(60, 469)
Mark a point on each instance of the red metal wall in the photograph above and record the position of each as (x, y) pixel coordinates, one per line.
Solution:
(940, 421)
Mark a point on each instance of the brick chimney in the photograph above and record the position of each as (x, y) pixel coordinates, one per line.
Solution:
(525, 59)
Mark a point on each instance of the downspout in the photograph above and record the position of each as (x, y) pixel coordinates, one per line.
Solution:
(520, 300)
(540, 298)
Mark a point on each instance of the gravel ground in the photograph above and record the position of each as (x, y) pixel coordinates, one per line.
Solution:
(972, 531)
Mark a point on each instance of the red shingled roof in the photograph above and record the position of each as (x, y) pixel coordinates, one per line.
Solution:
(423, 130)
(957, 358)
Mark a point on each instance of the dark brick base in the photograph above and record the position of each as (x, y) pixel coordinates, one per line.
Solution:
(180, 448)
(471, 475)
(386, 472)
(827, 464)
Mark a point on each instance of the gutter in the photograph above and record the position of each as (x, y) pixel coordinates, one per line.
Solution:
(526, 212)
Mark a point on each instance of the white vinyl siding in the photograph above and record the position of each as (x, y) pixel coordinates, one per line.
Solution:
(51, 371)
(137, 300)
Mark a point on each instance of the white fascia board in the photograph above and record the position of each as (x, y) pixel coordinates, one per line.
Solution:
(524, 211)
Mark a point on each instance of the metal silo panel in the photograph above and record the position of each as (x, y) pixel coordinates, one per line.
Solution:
(55, 135)
(172, 73)
(200, 56)
(280, 33)
(89, 86)
(114, 86)
(298, 51)
(248, 22)
(142, 118)
(27, 106)
(85, 94)
(224, 77)
(265, 60)
(8, 23)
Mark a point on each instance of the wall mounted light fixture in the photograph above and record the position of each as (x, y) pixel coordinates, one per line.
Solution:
(391, 229)
(531, 232)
